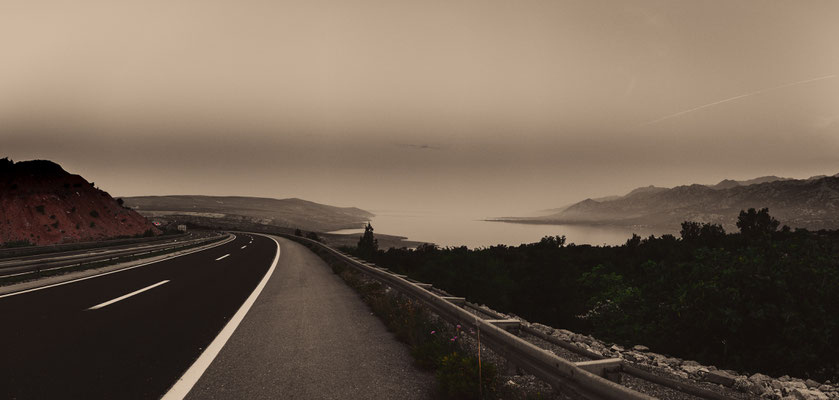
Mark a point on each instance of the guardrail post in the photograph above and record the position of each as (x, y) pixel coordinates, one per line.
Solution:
(609, 368)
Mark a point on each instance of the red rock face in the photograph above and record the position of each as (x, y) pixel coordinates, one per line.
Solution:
(42, 203)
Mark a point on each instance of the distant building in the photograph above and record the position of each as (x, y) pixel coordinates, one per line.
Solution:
(182, 228)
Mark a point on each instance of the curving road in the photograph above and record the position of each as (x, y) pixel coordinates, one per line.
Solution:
(134, 333)
(309, 336)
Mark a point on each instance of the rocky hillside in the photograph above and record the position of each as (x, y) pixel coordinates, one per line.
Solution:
(239, 212)
(41, 203)
(806, 203)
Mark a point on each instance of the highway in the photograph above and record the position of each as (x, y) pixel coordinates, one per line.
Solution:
(257, 318)
(309, 336)
(129, 334)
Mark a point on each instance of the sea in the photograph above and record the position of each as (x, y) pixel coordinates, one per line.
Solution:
(454, 230)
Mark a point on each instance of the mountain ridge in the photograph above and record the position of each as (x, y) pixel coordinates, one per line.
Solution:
(232, 211)
(811, 203)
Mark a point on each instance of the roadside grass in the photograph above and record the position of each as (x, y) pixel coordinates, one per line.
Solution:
(435, 345)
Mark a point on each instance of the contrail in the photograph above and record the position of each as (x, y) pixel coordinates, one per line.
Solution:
(680, 113)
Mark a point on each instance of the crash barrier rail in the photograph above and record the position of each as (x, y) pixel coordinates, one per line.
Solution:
(12, 268)
(65, 247)
(584, 379)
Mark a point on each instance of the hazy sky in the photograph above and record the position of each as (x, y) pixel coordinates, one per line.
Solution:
(484, 106)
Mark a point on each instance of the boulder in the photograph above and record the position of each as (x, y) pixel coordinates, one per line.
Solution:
(808, 394)
(720, 377)
(760, 378)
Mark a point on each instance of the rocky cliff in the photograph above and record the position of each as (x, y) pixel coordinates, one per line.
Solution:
(41, 203)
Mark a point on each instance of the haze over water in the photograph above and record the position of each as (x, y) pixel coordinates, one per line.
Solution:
(471, 231)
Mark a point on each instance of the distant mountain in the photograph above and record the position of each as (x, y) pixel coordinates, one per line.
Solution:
(807, 203)
(730, 183)
(236, 212)
(42, 203)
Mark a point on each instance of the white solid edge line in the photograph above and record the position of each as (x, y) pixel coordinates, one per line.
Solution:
(113, 272)
(182, 387)
(123, 297)
(223, 257)
(243, 246)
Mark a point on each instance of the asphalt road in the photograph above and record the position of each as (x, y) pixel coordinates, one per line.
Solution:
(87, 340)
(309, 336)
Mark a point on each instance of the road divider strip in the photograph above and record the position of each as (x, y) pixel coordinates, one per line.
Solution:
(187, 252)
(123, 297)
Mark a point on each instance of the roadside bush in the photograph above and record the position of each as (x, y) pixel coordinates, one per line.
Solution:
(458, 373)
(314, 236)
(18, 243)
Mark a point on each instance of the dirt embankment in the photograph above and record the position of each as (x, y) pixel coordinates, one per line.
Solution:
(42, 204)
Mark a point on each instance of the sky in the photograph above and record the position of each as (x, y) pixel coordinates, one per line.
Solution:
(492, 107)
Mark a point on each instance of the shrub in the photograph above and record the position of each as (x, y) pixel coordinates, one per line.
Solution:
(40, 209)
(314, 236)
(94, 213)
(18, 243)
(458, 374)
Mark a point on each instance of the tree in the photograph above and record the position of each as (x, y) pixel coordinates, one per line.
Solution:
(298, 232)
(690, 230)
(755, 224)
(313, 236)
(367, 245)
(708, 234)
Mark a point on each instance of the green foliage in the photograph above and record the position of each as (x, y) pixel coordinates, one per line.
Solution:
(94, 213)
(767, 305)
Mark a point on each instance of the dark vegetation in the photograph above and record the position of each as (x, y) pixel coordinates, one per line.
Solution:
(760, 300)
(17, 243)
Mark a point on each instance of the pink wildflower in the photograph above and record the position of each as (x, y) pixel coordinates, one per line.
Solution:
(433, 332)
(458, 326)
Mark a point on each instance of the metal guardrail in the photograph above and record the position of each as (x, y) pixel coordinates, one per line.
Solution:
(558, 372)
(37, 266)
(26, 251)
